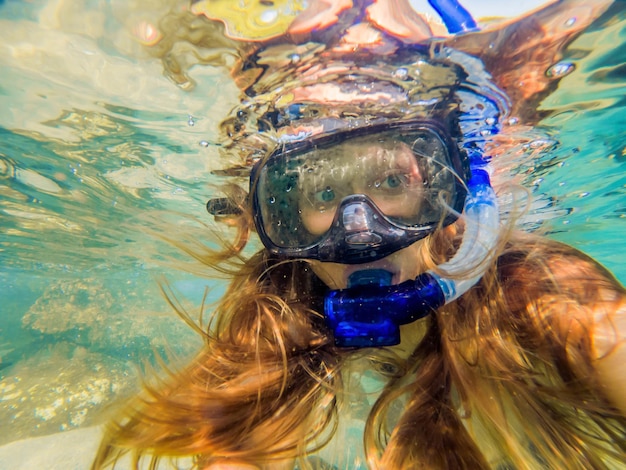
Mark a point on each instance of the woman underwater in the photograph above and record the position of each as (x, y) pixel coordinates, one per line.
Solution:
(392, 320)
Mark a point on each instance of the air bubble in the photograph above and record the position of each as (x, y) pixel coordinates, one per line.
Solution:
(269, 16)
(540, 143)
(490, 121)
(7, 169)
(203, 143)
(272, 200)
(560, 70)
(191, 121)
(401, 73)
(512, 121)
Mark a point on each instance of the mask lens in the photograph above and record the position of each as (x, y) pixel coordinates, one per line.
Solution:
(407, 173)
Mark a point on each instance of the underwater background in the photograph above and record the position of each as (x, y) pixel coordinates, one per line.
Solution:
(103, 159)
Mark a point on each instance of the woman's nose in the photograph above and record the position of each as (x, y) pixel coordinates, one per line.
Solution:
(356, 218)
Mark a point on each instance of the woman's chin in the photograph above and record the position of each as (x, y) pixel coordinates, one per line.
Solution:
(401, 265)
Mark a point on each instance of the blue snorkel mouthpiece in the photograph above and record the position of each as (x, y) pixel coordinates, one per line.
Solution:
(370, 315)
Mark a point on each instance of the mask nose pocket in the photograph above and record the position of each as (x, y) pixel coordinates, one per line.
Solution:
(357, 221)
(363, 238)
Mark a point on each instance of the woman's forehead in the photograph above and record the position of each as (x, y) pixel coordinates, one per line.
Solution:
(356, 150)
(356, 158)
(368, 146)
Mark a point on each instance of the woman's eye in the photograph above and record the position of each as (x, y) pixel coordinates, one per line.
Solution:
(325, 195)
(392, 181)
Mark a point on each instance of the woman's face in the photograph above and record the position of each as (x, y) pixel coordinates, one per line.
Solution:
(388, 173)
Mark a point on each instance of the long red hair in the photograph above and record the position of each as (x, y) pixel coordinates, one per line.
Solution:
(504, 375)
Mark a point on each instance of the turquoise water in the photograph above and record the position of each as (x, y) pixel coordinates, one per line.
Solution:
(101, 157)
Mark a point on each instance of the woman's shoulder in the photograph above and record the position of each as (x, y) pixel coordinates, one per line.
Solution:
(556, 287)
(529, 262)
(563, 296)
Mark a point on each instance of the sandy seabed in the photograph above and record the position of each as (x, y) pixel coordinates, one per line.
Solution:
(71, 450)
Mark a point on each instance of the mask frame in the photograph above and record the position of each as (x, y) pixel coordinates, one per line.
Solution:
(389, 235)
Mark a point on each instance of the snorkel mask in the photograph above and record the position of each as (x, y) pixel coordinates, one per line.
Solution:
(355, 157)
(358, 195)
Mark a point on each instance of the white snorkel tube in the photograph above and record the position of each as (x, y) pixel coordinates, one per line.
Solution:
(480, 236)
